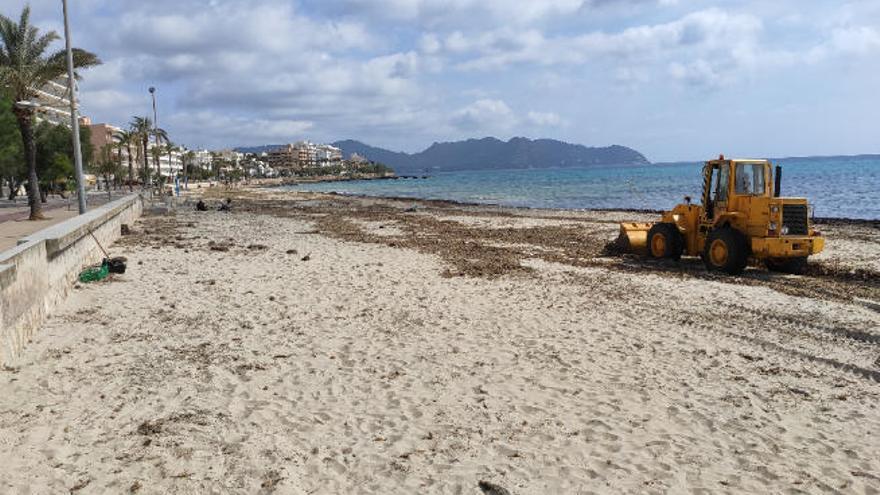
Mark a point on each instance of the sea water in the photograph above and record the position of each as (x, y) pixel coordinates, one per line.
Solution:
(847, 187)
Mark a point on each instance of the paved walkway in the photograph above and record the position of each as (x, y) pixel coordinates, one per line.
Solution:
(14, 223)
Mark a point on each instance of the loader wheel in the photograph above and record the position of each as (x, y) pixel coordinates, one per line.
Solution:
(726, 251)
(664, 241)
(787, 265)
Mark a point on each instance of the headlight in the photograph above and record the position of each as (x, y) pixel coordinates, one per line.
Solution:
(784, 230)
(773, 226)
(774, 209)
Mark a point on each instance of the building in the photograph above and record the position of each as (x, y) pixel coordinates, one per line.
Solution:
(230, 156)
(202, 159)
(303, 154)
(54, 101)
(328, 155)
(170, 162)
(102, 135)
(283, 158)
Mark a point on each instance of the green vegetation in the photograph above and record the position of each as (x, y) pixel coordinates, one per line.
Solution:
(12, 167)
(25, 68)
(108, 166)
(53, 155)
(140, 129)
(347, 169)
(124, 140)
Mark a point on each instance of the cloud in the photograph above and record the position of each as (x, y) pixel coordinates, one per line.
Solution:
(408, 72)
(706, 31)
(267, 63)
(226, 128)
(473, 14)
(544, 119)
(485, 115)
(452, 12)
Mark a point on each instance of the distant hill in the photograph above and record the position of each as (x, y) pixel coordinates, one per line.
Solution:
(488, 154)
(399, 161)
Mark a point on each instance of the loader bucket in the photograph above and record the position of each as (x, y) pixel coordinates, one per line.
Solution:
(634, 237)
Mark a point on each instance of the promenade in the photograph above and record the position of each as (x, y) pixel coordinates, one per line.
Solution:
(14, 223)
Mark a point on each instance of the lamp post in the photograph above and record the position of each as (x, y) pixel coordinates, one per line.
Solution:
(156, 128)
(74, 118)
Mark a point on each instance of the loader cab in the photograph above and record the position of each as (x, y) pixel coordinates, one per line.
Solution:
(733, 185)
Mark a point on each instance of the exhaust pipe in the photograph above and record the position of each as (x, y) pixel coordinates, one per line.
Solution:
(777, 185)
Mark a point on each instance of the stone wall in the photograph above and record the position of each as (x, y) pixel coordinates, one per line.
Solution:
(37, 275)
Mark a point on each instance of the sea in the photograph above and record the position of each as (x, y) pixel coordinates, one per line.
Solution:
(839, 187)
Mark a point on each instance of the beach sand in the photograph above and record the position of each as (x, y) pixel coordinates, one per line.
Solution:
(308, 343)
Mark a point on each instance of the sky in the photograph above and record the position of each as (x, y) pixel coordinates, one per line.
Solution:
(674, 79)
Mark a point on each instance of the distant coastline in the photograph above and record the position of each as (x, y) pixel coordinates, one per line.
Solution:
(863, 156)
(488, 154)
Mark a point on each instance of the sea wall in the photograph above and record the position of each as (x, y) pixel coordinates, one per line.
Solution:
(37, 274)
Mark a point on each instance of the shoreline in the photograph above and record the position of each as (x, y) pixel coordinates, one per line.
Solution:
(875, 223)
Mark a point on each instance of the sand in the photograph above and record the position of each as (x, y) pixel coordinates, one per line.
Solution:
(318, 344)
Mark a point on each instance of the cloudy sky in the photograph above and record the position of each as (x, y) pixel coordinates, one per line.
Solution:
(675, 79)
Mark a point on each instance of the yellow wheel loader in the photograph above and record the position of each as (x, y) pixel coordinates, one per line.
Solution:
(742, 216)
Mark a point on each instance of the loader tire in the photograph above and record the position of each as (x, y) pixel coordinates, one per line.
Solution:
(726, 251)
(665, 241)
(795, 266)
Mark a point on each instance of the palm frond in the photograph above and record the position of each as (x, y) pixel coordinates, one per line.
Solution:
(57, 63)
(39, 46)
(24, 66)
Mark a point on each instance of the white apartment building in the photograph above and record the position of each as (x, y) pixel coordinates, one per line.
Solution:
(328, 155)
(170, 164)
(54, 101)
(202, 159)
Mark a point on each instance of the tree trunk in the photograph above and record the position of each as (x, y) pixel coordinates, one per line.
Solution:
(13, 188)
(130, 168)
(26, 126)
(118, 167)
(146, 162)
(156, 161)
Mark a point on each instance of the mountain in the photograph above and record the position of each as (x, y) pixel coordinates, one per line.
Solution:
(397, 160)
(489, 154)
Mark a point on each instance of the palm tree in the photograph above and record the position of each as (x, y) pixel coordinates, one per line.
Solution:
(160, 135)
(24, 69)
(170, 148)
(187, 158)
(157, 153)
(107, 167)
(125, 139)
(140, 128)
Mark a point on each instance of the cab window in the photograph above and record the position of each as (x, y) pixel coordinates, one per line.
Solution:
(722, 183)
(750, 178)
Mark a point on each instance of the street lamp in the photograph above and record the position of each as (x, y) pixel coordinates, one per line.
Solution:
(156, 126)
(74, 119)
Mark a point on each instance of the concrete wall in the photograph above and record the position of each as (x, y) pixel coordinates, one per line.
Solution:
(37, 275)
